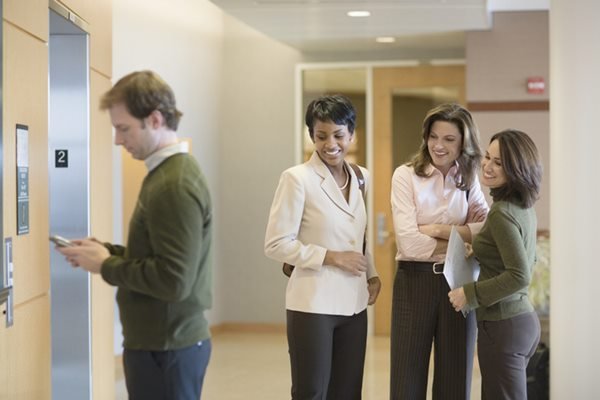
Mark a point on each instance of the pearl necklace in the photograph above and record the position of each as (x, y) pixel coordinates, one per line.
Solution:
(347, 180)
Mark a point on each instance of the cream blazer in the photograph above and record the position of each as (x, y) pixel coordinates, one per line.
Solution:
(309, 216)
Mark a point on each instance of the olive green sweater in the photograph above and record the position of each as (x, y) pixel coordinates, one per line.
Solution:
(505, 248)
(164, 274)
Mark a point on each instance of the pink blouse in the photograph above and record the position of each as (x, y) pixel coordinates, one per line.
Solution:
(431, 200)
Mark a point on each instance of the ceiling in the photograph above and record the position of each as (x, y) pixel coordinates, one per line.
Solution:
(322, 26)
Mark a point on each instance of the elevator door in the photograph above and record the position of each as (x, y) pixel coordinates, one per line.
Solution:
(68, 142)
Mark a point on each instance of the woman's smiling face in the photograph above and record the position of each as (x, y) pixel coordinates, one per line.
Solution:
(331, 142)
(493, 175)
(444, 144)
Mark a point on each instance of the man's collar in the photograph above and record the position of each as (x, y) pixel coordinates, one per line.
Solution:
(156, 158)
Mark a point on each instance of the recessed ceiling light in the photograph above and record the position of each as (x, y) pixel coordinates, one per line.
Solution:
(385, 39)
(358, 14)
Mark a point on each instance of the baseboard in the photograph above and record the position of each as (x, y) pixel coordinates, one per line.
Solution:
(241, 327)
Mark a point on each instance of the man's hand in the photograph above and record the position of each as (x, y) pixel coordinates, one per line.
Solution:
(88, 254)
(374, 286)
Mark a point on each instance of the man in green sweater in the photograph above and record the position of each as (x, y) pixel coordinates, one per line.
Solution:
(164, 274)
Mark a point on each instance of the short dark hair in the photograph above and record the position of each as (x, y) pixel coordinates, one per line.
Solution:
(142, 92)
(469, 159)
(336, 108)
(522, 166)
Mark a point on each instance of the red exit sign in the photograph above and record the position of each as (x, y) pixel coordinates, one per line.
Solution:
(536, 85)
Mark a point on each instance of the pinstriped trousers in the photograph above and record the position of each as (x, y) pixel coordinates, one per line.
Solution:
(422, 315)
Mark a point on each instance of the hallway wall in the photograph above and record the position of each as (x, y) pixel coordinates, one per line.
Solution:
(255, 145)
(235, 89)
(182, 41)
(575, 321)
(499, 62)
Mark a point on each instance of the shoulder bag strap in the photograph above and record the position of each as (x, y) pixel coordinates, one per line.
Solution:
(361, 185)
(361, 179)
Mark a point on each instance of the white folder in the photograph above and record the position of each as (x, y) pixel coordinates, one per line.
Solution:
(458, 269)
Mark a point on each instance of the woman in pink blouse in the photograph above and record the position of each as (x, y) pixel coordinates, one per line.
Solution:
(436, 190)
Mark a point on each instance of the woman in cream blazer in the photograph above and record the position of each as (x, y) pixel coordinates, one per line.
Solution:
(317, 223)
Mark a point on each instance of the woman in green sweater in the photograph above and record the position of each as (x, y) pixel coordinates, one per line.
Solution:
(508, 327)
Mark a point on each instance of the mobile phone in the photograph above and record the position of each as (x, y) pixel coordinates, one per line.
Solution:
(61, 241)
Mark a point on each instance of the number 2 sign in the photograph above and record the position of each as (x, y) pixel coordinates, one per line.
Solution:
(61, 158)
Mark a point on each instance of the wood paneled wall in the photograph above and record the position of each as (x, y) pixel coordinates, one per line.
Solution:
(103, 369)
(25, 348)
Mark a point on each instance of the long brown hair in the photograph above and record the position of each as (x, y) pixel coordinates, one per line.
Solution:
(522, 167)
(470, 154)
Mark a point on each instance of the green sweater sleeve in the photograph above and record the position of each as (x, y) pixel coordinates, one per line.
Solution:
(172, 237)
(516, 274)
(115, 249)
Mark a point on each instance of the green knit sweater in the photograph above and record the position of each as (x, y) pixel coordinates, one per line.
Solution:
(164, 274)
(505, 248)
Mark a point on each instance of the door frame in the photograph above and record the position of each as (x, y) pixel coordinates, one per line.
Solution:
(69, 200)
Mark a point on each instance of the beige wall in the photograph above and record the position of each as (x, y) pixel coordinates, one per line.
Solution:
(500, 60)
(575, 321)
(183, 42)
(235, 88)
(256, 143)
(25, 348)
(498, 64)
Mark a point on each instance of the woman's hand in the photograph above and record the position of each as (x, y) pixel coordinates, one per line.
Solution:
(374, 286)
(431, 230)
(349, 261)
(468, 250)
(479, 216)
(458, 299)
(443, 231)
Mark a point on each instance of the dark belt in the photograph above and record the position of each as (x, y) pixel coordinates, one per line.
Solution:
(422, 266)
